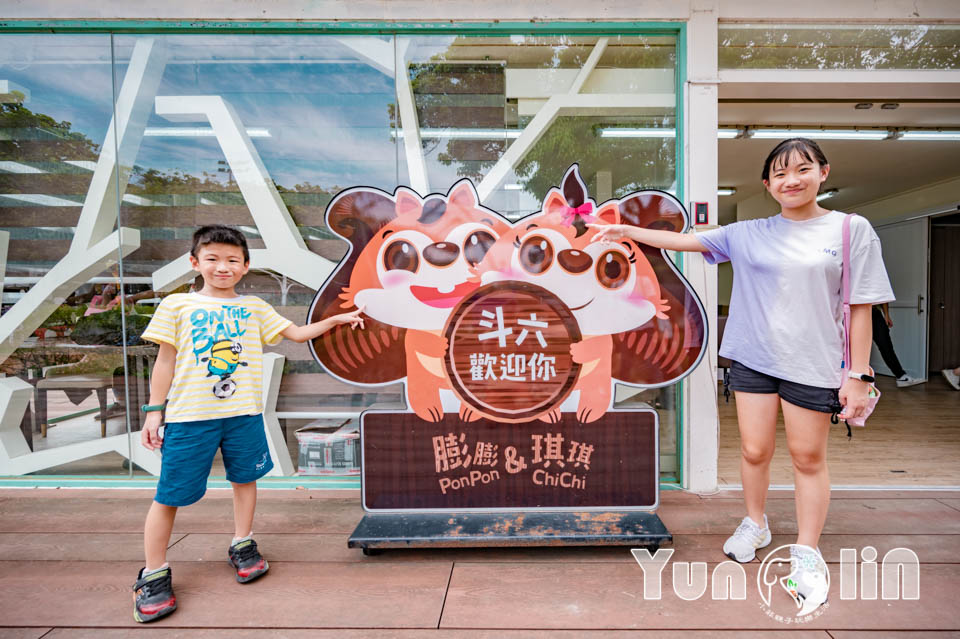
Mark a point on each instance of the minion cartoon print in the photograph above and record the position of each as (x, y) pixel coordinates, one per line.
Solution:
(217, 335)
(223, 361)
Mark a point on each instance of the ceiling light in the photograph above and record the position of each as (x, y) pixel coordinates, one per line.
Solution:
(863, 105)
(41, 199)
(89, 165)
(9, 166)
(822, 134)
(638, 133)
(727, 134)
(463, 134)
(130, 198)
(195, 132)
(890, 106)
(930, 135)
(827, 193)
(726, 190)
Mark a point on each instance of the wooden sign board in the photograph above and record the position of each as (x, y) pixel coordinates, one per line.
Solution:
(411, 464)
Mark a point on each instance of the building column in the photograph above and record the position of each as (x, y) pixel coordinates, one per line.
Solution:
(701, 423)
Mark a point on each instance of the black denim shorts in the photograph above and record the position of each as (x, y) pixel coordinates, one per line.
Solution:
(822, 400)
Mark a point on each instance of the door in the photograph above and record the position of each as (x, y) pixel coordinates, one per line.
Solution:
(944, 296)
(905, 256)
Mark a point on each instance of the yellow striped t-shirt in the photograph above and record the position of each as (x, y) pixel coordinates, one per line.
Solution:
(219, 346)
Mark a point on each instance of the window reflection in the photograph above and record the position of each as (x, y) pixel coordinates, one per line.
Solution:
(316, 114)
(818, 47)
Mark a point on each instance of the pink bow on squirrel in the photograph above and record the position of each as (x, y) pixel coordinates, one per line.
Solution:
(570, 213)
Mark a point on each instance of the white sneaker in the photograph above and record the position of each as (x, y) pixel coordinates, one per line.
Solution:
(952, 378)
(807, 582)
(906, 380)
(742, 546)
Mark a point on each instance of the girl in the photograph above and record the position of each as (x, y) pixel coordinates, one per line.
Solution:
(785, 337)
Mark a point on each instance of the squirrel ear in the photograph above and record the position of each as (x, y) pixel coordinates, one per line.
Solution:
(554, 201)
(609, 213)
(464, 195)
(408, 202)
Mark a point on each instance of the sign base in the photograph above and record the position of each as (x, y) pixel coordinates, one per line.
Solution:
(378, 531)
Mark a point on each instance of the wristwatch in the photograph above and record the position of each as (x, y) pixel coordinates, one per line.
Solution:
(149, 408)
(863, 377)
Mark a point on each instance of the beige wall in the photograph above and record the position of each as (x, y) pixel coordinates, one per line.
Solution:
(757, 206)
(487, 10)
(724, 283)
(942, 196)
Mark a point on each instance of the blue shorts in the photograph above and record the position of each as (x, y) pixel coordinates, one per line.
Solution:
(189, 448)
(747, 380)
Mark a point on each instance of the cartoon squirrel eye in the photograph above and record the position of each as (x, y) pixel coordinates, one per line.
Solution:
(536, 254)
(612, 269)
(476, 246)
(401, 255)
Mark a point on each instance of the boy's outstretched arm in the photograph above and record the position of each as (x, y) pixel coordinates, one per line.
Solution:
(308, 332)
(670, 240)
(160, 379)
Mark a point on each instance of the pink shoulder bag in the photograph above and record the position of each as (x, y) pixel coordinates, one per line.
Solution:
(873, 395)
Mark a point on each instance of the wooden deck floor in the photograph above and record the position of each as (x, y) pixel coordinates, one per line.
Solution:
(68, 558)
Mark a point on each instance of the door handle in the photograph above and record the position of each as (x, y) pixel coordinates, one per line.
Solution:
(919, 304)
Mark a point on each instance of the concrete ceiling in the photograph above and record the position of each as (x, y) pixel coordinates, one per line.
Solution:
(862, 170)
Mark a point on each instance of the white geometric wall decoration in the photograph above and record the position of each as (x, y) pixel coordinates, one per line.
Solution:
(16, 457)
(285, 250)
(95, 244)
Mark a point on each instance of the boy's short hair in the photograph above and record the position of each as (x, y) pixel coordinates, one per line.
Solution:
(219, 234)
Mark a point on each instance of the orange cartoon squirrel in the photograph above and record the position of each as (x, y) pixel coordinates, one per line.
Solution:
(640, 321)
(411, 261)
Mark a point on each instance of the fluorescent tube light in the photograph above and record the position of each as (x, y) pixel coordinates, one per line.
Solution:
(726, 190)
(89, 165)
(9, 166)
(512, 187)
(727, 134)
(820, 134)
(827, 193)
(637, 133)
(41, 199)
(463, 134)
(196, 132)
(930, 135)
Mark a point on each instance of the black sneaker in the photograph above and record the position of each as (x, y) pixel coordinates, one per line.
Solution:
(153, 596)
(248, 561)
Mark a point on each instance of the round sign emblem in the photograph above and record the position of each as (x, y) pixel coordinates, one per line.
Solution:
(509, 351)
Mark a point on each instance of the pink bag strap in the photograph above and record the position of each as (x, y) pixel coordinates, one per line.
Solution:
(845, 286)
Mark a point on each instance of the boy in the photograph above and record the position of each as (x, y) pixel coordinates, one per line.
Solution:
(210, 366)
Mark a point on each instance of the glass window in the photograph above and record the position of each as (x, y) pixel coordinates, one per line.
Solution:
(61, 328)
(260, 132)
(747, 46)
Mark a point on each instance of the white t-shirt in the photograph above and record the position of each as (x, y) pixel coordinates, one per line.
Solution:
(786, 309)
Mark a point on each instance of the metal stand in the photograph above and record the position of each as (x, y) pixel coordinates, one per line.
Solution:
(377, 532)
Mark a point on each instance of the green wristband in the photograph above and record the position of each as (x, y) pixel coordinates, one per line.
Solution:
(148, 408)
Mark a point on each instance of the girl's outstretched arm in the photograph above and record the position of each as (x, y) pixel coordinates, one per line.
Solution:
(670, 240)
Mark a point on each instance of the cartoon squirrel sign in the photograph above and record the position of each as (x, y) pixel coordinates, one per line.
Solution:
(422, 266)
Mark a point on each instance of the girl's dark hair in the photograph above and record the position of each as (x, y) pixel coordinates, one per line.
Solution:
(219, 234)
(807, 149)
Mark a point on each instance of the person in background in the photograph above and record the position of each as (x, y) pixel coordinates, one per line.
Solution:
(953, 376)
(881, 337)
(104, 301)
